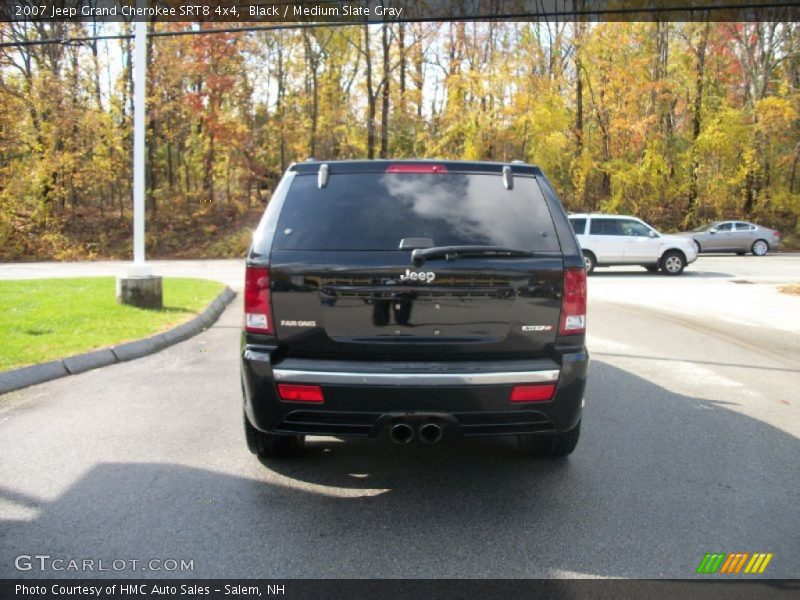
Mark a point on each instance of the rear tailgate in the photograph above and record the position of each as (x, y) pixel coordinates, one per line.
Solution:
(362, 303)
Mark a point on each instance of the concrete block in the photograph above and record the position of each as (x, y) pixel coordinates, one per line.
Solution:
(131, 350)
(187, 330)
(25, 376)
(159, 342)
(89, 360)
(208, 316)
(144, 292)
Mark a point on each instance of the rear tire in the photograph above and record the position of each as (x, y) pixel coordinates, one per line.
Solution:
(589, 261)
(551, 445)
(673, 263)
(271, 445)
(759, 248)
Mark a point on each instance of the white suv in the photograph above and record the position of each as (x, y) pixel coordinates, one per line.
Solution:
(608, 240)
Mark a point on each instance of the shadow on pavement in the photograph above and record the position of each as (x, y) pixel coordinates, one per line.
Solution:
(754, 367)
(658, 479)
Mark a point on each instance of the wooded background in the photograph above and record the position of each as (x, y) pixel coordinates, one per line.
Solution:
(677, 123)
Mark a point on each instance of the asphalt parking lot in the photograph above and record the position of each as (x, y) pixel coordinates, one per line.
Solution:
(690, 445)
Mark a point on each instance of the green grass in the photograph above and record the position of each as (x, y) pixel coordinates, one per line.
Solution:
(44, 319)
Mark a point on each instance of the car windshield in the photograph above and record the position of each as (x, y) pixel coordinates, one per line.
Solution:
(705, 227)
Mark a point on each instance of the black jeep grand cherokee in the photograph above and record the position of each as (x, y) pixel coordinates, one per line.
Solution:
(414, 298)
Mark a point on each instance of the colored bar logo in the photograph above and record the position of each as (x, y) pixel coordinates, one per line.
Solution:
(733, 563)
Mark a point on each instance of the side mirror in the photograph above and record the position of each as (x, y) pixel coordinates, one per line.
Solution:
(653, 234)
(712, 230)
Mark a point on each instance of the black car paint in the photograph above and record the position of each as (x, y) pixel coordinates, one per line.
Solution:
(365, 317)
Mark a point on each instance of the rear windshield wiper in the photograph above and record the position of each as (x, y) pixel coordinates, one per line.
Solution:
(420, 255)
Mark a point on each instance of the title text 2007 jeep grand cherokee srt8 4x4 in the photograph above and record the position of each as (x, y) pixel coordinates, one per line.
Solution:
(415, 299)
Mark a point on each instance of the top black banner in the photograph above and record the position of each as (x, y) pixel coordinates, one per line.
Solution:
(377, 11)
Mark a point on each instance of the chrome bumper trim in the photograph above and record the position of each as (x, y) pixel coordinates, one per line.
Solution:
(405, 379)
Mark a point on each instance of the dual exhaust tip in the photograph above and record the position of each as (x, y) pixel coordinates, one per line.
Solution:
(403, 433)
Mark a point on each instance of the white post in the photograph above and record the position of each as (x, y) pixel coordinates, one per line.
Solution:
(139, 287)
(140, 70)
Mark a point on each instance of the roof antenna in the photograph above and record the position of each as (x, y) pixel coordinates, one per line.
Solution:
(322, 176)
(508, 178)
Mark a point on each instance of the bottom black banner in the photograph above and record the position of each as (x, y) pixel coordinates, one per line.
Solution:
(397, 589)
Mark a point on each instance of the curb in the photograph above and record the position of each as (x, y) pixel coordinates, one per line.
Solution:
(72, 365)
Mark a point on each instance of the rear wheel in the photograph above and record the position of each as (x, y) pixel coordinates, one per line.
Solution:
(271, 445)
(673, 263)
(589, 262)
(760, 248)
(551, 445)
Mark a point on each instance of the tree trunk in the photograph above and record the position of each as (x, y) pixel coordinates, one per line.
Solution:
(281, 75)
(385, 94)
(152, 134)
(312, 61)
(312, 146)
(419, 72)
(401, 42)
(170, 173)
(228, 183)
(98, 99)
(208, 174)
(578, 87)
(127, 95)
(370, 97)
(663, 104)
(74, 143)
(700, 53)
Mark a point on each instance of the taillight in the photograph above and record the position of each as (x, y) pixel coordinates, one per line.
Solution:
(573, 303)
(257, 303)
(533, 393)
(776, 234)
(420, 168)
(300, 393)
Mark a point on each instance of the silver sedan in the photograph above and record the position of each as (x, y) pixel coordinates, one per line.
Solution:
(735, 236)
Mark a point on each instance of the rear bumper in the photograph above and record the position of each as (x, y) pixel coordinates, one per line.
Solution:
(362, 398)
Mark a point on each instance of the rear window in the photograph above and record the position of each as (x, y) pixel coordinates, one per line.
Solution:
(375, 211)
(606, 227)
(578, 225)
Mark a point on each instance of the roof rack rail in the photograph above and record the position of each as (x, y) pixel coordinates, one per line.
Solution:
(322, 175)
(508, 178)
